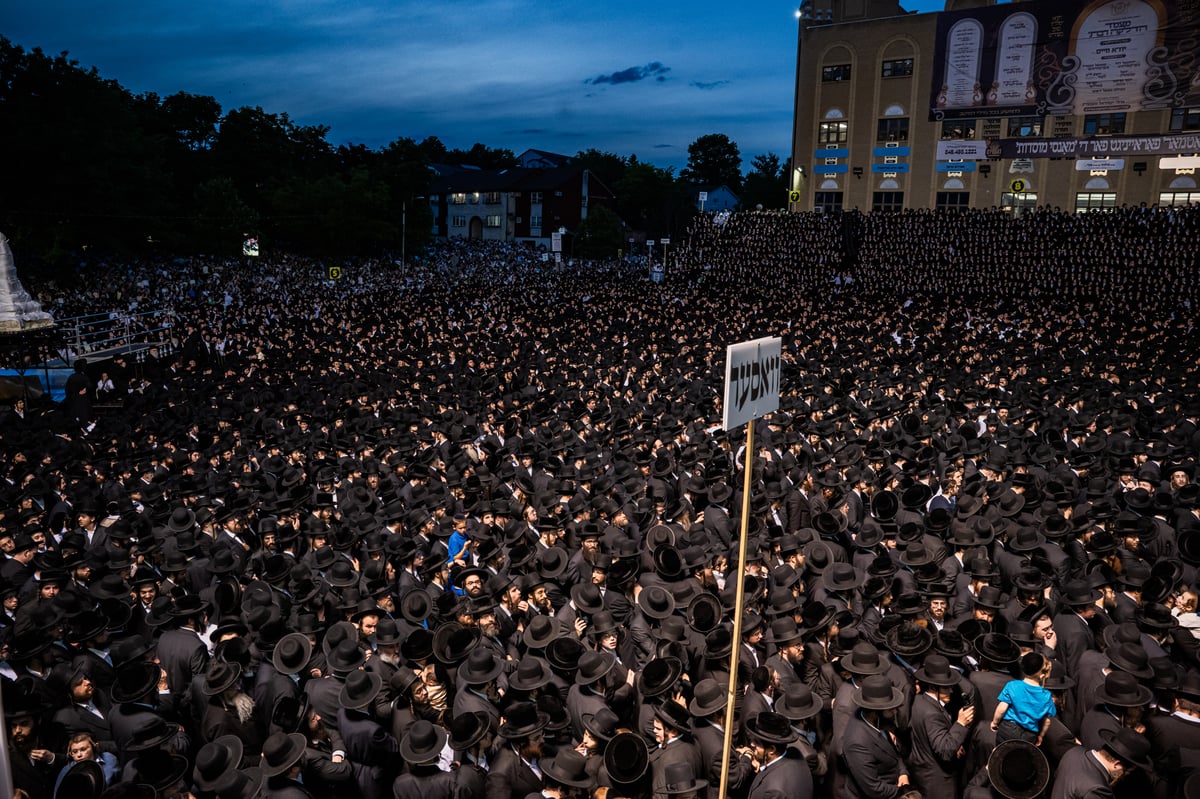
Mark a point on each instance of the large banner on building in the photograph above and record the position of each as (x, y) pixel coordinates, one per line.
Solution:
(1064, 57)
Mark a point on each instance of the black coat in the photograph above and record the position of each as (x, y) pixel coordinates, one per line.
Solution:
(786, 778)
(509, 778)
(873, 763)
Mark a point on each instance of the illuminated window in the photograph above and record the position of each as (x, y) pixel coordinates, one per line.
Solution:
(835, 72)
(493, 220)
(958, 129)
(458, 199)
(833, 132)
(1094, 201)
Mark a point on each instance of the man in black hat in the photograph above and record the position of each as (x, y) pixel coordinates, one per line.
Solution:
(1091, 773)
(672, 725)
(870, 746)
(1071, 624)
(708, 713)
(369, 745)
(781, 769)
(181, 651)
(421, 747)
(938, 740)
(515, 771)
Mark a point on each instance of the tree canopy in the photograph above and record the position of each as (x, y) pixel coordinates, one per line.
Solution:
(180, 173)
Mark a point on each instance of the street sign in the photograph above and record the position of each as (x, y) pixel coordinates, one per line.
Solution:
(752, 376)
(1017, 186)
(703, 196)
(793, 196)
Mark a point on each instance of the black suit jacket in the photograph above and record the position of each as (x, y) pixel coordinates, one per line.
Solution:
(786, 778)
(873, 762)
(509, 777)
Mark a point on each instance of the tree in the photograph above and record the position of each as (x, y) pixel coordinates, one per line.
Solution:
(600, 235)
(609, 167)
(651, 199)
(714, 160)
(766, 185)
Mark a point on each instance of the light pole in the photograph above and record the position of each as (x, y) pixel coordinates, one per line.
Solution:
(802, 15)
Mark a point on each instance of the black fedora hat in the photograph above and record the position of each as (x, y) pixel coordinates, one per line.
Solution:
(626, 758)
(532, 673)
(423, 743)
(841, 577)
(997, 648)
(936, 671)
(220, 677)
(521, 720)
(160, 770)
(83, 779)
(1128, 746)
(672, 713)
(292, 653)
(680, 778)
(659, 676)
(481, 667)
(360, 690)
(876, 692)
(707, 698)
(593, 667)
(1130, 658)
(468, 729)
(864, 660)
(656, 602)
(540, 631)
(909, 639)
(345, 657)
(1121, 689)
(567, 767)
(1018, 770)
(216, 762)
(602, 724)
(134, 680)
(453, 642)
(798, 702)
(770, 727)
(280, 752)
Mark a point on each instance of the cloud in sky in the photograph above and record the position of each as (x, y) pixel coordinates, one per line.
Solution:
(654, 70)
(705, 86)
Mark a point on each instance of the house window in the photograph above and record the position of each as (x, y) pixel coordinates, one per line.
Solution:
(1179, 198)
(535, 221)
(1103, 124)
(897, 68)
(892, 129)
(835, 72)
(493, 220)
(953, 200)
(1094, 201)
(458, 221)
(887, 201)
(535, 197)
(958, 129)
(458, 199)
(828, 201)
(1185, 118)
(492, 198)
(833, 132)
(1025, 127)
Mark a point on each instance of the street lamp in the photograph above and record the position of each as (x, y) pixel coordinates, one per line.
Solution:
(802, 15)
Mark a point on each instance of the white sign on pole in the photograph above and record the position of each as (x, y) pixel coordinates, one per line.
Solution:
(666, 241)
(703, 196)
(556, 242)
(752, 376)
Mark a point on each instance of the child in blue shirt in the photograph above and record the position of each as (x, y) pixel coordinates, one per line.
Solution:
(1025, 707)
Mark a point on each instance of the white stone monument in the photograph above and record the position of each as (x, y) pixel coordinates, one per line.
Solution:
(18, 311)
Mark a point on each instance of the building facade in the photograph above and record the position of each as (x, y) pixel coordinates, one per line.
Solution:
(1055, 102)
(544, 194)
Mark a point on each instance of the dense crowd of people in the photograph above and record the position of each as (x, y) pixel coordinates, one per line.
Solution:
(468, 526)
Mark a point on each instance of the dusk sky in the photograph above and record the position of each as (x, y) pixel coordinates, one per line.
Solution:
(645, 78)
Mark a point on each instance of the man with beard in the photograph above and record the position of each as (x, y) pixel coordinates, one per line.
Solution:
(875, 769)
(515, 772)
(33, 764)
(230, 710)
